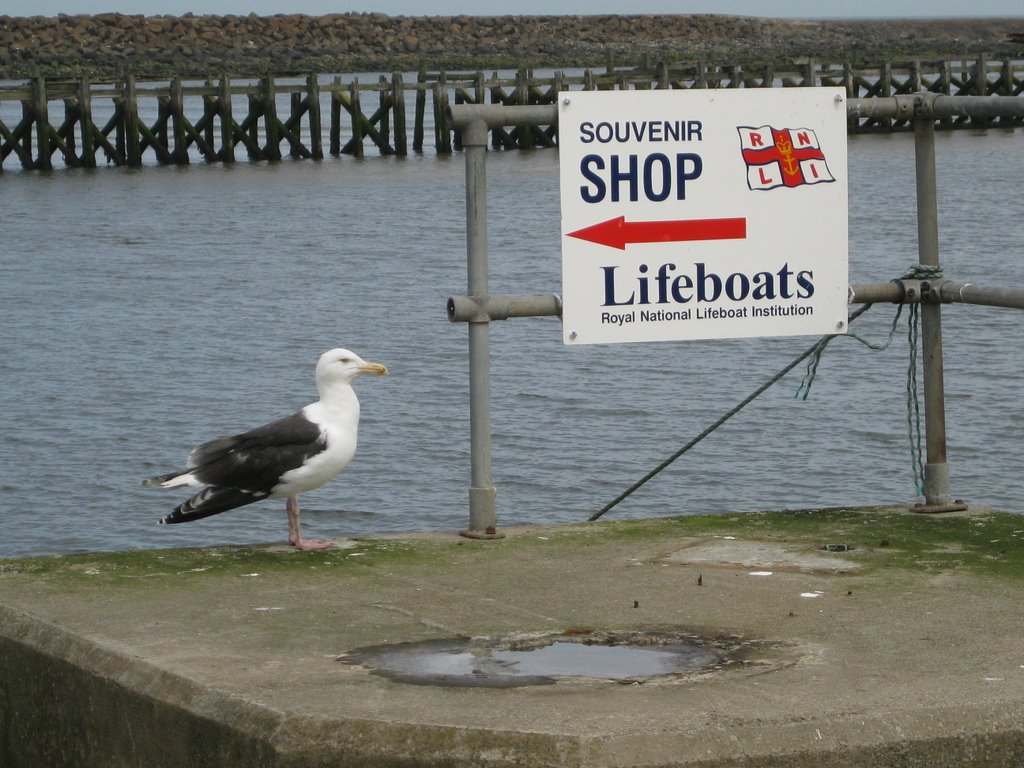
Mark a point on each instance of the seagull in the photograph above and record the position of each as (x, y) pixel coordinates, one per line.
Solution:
(281, 459)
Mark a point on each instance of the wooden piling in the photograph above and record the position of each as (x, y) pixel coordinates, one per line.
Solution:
(41, 114)
(421, 108)
(120, 139)
(442, 136)
(500, 138)
(294, 119)
(85, 123)
(316, 145)
(68, 130)
(28, 120)
(176, 109)
(336, 117)
(207, 120)
(250, 128)
(355, 146)
(384, 110)
(133, 150)
(268, 96)
(523, 134)
(227, 121)
(398, 105)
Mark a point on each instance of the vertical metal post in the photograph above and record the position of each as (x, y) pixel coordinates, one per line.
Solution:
(482, 515)
(936, 470)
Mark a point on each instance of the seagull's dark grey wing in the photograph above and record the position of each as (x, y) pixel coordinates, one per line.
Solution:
(255, 460)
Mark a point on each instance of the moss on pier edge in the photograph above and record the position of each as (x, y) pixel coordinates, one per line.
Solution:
(983, 542)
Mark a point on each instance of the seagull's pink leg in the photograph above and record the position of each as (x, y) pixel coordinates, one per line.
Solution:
(294, 534)
(293, 520)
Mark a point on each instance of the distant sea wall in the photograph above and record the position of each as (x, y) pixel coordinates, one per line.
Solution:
(109, 43)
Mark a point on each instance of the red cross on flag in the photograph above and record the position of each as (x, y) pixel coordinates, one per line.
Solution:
(782, 157)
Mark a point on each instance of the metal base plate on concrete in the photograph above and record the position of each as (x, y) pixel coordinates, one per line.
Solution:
(486, 534)
(934, 509)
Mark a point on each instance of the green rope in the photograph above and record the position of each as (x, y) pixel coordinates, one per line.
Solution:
(914, 272)
(724, 418)
(917, 272)
(913, 402)
(813, 355)
(804, 389)
(923, 272)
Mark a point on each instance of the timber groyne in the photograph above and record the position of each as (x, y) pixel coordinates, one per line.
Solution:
(84, 122)
(108, 44)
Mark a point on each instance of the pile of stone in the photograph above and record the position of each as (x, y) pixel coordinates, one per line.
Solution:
(189, 44)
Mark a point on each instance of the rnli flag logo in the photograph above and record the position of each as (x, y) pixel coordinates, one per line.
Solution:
(782, 157)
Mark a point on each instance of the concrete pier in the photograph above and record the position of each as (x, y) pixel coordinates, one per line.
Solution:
(868, 638)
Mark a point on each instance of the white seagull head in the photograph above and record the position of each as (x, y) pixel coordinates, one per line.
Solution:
(341, 366)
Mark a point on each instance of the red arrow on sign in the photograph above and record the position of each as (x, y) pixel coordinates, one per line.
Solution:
(618, 233)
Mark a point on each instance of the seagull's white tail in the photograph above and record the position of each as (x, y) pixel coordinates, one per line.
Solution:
(171, 480)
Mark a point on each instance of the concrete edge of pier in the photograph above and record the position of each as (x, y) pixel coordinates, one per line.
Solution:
(903, 649)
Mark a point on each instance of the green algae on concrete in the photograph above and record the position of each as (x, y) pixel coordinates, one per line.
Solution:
(223, 560)
(981, 541)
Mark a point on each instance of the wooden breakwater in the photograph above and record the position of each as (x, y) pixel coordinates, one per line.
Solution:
(83, 123)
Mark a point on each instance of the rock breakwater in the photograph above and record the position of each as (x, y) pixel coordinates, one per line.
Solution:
(109, 43)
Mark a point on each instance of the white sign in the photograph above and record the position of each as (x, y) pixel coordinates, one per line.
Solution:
(703, 214)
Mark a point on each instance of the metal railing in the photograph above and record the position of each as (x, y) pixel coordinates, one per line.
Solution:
(478, 307)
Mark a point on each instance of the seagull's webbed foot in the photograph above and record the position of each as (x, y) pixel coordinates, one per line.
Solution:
(294, 531)
(307, 545)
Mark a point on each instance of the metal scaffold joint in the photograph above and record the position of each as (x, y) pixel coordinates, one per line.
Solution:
(482, 309)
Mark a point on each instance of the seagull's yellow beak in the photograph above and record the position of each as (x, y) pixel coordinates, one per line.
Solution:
(376, 368)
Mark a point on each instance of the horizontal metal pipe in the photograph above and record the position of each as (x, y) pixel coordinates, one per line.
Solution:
(903, 106)
(970, 293)
(907, 106)
(498, 115)
(945, 291)
(472, 309)
(978, 106)
(874, 293)
(880, 108)
(469, 309)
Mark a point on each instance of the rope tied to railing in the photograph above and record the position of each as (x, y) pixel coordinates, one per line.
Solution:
(721, 420)
(914, 272)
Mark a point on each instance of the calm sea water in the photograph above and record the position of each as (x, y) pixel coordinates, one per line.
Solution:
(144, 311)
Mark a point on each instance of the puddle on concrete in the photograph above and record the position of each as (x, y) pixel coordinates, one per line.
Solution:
(629, 657)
